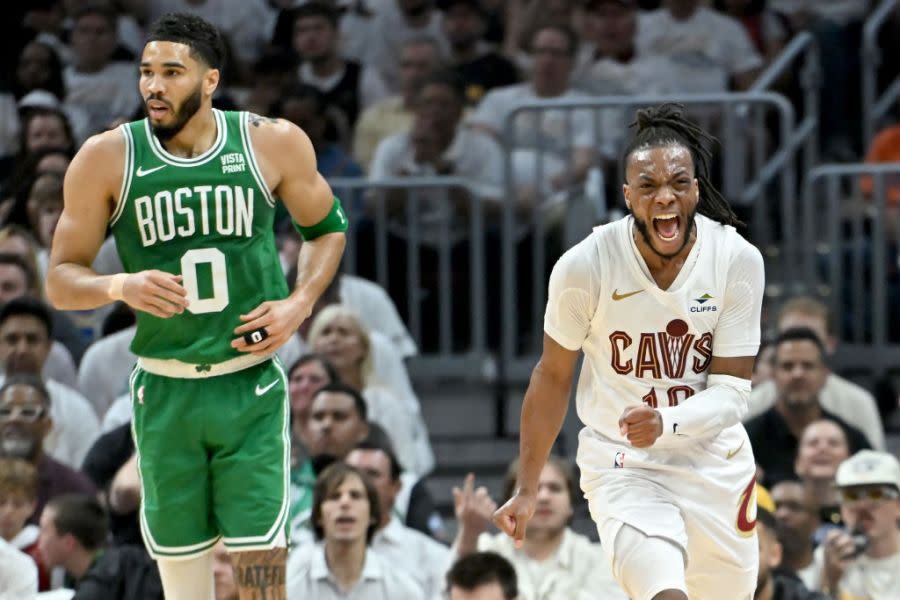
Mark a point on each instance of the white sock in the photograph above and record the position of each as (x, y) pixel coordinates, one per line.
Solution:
(188, 579)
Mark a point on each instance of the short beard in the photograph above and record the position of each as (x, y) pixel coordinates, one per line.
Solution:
(188, 109)
(645, 233)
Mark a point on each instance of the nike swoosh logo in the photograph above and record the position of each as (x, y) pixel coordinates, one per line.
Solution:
(731, 454)
(141, 171)
(617, 296)
(260, 391)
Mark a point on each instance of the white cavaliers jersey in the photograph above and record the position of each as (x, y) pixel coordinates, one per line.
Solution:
(642, 343)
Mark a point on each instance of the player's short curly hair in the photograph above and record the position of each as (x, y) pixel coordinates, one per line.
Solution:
(203, 38)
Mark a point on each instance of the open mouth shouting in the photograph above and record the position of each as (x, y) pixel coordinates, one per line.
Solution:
(667, 226)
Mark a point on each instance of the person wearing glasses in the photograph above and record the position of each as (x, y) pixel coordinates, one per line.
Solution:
(862, 562)
(24, 423)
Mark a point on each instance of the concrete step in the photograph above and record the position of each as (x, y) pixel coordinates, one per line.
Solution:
(461, 411)
(455, 456)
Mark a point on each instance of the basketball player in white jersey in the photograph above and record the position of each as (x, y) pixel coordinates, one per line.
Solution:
(665, 304)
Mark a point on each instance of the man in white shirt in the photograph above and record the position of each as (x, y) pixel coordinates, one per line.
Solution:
(422, 558)
(552, 149)
(865, 564)
(608, 63)
(437, 145)
(554, 562)
(851, 402)
(395, 22)
(103, 88)
(24, 347)
(345, 516)
(419, 56)
(18, 574)
(710, 52)
(665, 304)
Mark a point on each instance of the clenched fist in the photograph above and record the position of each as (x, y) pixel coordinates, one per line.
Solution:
(641, 425)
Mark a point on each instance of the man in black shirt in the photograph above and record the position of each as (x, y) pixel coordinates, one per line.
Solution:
(772, 585)
(73, 536)
(480, 67)
(800, 373)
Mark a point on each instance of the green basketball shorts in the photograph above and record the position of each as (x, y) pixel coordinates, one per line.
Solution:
(214, 459)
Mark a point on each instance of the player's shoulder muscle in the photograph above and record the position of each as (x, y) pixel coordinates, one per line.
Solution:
(280, 143)
(97, 168)
(579, 267)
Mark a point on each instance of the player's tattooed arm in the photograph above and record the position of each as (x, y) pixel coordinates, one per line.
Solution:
(257, 120)
(261, 574)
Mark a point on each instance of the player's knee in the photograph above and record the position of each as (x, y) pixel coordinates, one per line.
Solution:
(670, 595)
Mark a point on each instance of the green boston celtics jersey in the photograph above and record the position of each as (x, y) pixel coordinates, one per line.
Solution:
(207, 218)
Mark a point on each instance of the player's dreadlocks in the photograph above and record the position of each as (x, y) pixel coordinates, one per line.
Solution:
(666, 124)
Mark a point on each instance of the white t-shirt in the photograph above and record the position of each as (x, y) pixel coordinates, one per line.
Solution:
(578, 570)
(476, 157)
(105, 367)
(607, 77)
(558, 130)
(75, 425)
(839, 11)
(388, 31)
(60, 365)
(705, 49)
(639, 341)
(109, 94)
(18, 574)
(866, 578)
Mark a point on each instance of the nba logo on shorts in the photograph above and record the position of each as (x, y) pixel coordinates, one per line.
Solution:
(619, 462)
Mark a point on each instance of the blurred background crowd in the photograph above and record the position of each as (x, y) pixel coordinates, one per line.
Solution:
(472, 141)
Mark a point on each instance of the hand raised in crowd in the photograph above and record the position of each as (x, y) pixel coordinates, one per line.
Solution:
(840, 550)
(474, 508)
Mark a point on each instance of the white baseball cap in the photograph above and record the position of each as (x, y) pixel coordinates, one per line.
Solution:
(868, 467)
(39, 99)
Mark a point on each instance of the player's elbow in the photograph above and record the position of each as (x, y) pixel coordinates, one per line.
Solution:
(55, 290)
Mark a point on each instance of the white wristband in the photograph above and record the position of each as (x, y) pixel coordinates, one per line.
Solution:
(116, 285)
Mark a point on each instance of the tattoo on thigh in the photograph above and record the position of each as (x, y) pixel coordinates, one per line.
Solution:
(260, 574)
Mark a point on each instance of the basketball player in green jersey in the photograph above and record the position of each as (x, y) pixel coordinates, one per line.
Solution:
(189, 194)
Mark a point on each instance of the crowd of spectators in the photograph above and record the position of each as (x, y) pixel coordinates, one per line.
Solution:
(390, 89)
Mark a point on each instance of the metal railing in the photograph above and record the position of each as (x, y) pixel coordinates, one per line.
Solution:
(768, 183)
(850, 240)
(389, 225)
(875, 107)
